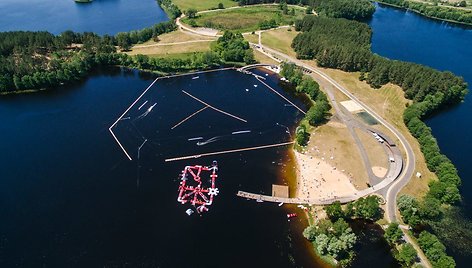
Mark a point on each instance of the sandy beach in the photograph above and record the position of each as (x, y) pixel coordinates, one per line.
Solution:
(318, 179)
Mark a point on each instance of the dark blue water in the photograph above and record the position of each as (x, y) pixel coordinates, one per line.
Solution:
(100, 16)
(406, 36)
(70, 198)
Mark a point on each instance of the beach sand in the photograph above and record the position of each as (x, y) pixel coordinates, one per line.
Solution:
(318, 179)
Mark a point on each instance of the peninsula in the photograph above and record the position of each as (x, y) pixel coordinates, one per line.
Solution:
(358, 149)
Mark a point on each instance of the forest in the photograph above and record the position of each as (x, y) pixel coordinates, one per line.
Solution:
(434, 11)
(333, 237)
(290, 2)
(345, 44)
(34, 60)
(348, 9)
(37, 60)
(170, 8)
(304, 84)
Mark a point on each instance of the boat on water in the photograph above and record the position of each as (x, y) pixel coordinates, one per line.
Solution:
(83, 1)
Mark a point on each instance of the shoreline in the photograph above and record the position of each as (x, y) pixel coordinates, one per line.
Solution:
(318, 178)
(458, 23)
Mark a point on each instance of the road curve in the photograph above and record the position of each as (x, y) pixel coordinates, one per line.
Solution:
(395, 187)
(409, 167)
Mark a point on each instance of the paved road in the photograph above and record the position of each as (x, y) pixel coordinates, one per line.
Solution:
(409, 166)
(394, 186)
(392, 189)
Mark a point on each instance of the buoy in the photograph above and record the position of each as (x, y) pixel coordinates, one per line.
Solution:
(189, 212)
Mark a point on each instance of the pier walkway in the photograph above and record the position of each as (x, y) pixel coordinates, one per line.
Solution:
(311, 201)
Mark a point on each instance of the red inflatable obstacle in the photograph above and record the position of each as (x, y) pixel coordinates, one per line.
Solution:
(194, 191)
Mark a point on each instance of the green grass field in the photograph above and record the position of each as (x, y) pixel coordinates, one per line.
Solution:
(245, 19)
(203, 4)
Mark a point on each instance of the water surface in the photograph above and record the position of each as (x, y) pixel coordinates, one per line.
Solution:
(403, 35)
(100, 16)
(70, 198)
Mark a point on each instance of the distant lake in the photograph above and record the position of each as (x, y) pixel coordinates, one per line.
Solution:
(100, 16)
(407, 36)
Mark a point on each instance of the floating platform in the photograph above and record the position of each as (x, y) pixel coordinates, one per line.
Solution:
(280, 191)
(193, 191)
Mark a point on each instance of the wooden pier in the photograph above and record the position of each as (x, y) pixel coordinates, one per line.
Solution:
(275, 199)
(229, 151)
(301, 201)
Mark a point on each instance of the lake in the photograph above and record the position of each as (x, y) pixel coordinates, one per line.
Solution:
(402, 35)
(100, 16)
(69, 197)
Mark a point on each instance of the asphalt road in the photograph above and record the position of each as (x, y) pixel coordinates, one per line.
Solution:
(392, 189)
(409, 167)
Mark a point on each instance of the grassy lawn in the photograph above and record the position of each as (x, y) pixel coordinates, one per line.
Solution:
(203, 4)
(262, 58)
(244, 19)
(160, 49)
(186, 55)
(166, 51)
(253, 38)
(388, 101)
(175, 37)
(280, 39)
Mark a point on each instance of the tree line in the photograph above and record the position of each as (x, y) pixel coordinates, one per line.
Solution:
(434, 11)
(290, 2)
(416, 213)
(402, 251)
(367, 208)
(232, 47)
(345, 44)
(32, 60)
(333, 236)
(126, 39)
(304, 84)
(348, 9)
(170, 8)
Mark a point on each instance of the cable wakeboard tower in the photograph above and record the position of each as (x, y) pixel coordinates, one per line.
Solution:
(193, 191)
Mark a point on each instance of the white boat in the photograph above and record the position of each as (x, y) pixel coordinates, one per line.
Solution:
(152, 107)
(240, 132)
(189, 212)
